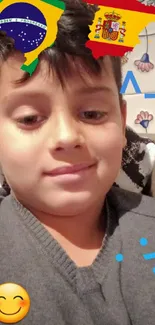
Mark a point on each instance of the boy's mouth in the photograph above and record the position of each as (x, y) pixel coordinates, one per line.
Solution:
(70, 169)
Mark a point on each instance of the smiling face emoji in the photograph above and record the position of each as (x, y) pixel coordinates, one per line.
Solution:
(14, 303)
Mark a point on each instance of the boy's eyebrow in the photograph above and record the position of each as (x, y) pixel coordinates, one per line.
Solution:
(95, 89)
(18, 95)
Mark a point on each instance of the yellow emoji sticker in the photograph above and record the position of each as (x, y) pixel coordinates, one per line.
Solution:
(14, 303)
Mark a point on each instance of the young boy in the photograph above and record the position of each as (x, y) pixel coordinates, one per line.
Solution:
(62, 132)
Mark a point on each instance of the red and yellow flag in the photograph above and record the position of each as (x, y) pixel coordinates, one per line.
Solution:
(117, 25)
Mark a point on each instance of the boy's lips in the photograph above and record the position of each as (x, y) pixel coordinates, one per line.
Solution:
(69, 169)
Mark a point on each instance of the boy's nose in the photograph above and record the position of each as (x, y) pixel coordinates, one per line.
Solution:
(67, 134)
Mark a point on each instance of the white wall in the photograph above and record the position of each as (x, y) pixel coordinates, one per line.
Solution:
(145, 80)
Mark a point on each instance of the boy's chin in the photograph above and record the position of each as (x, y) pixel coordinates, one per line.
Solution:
(66, 204)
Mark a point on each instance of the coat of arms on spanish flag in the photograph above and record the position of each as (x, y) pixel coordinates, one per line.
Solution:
(116, 26)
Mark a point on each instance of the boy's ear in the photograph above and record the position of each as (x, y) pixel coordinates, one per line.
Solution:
(124, 116)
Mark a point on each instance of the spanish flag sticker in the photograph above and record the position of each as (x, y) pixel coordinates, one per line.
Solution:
(116, 26)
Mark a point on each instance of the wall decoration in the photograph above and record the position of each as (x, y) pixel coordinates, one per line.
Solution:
(144, 118)
(124, 58)
(144, 64)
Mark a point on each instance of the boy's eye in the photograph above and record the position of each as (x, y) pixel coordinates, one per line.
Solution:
(93, 115)
(30, 119)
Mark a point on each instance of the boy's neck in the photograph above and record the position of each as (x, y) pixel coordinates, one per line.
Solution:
(80, 236)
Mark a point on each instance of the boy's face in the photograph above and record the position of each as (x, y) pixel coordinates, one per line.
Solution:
(44, 127)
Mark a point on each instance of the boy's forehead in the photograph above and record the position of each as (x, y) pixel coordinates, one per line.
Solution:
(11, 72)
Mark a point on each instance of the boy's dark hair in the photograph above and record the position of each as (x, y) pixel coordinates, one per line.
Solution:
(73, 30)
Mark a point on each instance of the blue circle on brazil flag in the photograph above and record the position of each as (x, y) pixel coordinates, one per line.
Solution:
(25, 24)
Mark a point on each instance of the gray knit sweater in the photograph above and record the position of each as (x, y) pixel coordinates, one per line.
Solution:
(106, 293)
